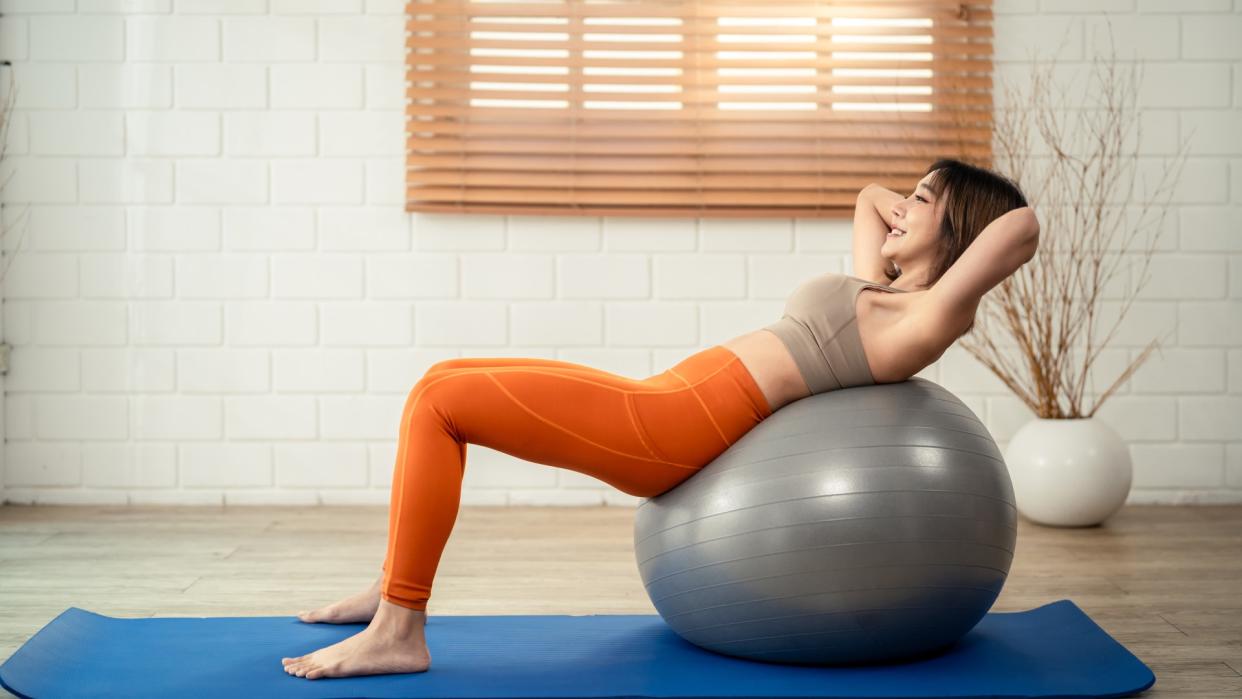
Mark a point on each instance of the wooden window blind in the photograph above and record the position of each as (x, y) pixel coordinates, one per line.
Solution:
(688, 107)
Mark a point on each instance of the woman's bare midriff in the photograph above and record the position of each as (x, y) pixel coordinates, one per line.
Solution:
(772, 366)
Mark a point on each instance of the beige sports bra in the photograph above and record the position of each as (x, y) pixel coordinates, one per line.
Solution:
(820, 328)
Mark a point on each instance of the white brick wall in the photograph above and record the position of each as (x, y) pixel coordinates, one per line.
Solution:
(221, 300)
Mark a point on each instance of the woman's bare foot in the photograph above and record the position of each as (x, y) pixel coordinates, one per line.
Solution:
(392, 643)
(351, 610)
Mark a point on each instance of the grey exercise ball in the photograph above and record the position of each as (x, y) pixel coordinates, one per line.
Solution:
(867, 524)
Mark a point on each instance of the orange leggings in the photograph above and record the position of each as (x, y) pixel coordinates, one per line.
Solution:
(640, 436)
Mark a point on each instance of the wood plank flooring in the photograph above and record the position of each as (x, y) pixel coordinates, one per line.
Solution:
(1163, 581)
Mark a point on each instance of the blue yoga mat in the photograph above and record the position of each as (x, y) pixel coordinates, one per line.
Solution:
(1052, 651)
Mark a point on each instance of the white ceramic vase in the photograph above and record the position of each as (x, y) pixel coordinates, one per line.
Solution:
(1068, 472)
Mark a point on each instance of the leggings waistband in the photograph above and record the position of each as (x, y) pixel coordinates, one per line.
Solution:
(698, 369)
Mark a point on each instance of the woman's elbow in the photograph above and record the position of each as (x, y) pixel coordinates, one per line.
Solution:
(1032, 222)
(1032, 245)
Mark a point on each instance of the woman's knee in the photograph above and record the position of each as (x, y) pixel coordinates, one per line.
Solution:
(435, 371)
(417, 391)
(438, 385)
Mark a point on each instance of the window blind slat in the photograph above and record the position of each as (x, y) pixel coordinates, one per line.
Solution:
(700, 8)
(677, 131)
(457, 60)
(700, 107)
(939, 80)
(575, 117)
(703, 26)
(627, 165)
(694, 96)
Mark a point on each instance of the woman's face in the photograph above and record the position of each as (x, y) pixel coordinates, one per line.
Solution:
(917, 218)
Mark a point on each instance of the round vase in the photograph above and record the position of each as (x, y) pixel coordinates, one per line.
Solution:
(1072, 472)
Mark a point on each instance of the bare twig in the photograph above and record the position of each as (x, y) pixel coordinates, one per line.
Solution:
(5, 110)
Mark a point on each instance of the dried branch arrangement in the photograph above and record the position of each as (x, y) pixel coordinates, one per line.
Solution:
(1050, 306)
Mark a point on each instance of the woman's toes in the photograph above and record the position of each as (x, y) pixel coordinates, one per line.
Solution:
(323, 614)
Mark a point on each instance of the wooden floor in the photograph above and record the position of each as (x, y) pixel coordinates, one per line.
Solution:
(1163, 581)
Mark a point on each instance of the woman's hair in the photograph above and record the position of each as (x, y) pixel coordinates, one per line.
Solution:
(973, 197)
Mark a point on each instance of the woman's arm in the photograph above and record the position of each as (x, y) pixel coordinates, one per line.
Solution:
(882, 200)
(1004, 245)
(872, 215)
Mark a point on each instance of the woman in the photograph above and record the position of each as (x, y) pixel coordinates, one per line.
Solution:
(962, 231)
